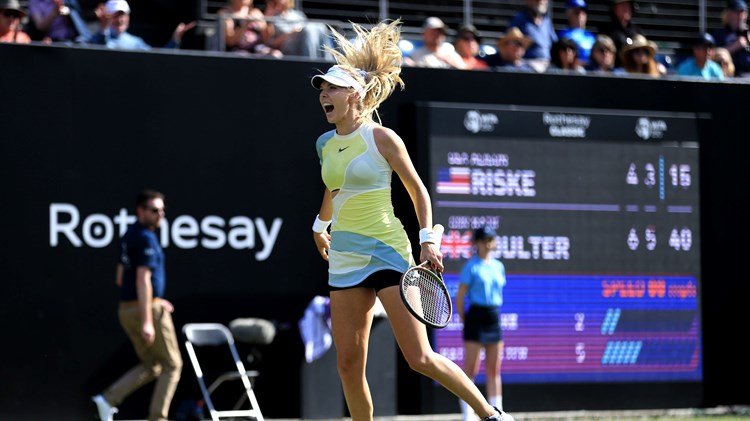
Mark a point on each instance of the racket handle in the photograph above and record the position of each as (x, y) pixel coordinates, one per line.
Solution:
(438, 229)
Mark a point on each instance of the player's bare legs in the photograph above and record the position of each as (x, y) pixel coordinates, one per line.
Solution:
(351, 333)
(411, 336)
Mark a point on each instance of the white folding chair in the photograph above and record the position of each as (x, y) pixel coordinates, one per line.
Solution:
(216, 334)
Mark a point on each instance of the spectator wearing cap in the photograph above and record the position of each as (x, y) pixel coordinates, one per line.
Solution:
(435, 52)
(10, 23)
(638, 57)
(478, 302)
(564, 57)
(701, 64)
(602, 59)
(734, 35)
(576, 14)
(114, 19)
(534, 21)
(620, 26)
(467, 46)
(511, 48)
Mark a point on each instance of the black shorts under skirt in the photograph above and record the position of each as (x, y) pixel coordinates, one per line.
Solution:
(482, 325)
(377, 280)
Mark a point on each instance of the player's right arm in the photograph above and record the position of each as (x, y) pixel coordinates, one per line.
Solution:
(323, 239)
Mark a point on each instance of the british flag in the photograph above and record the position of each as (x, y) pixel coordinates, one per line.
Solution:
(453, 180)
(456, 245)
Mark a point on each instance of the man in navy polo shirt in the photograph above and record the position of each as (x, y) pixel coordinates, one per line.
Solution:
(534, 21)
(145, 315)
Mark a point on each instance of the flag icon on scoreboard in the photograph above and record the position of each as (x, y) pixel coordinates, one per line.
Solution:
(456, 245)
(454, 180)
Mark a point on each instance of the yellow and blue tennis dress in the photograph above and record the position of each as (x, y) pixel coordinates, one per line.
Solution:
(366, 236)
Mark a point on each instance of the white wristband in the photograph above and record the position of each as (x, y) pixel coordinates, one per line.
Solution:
(320, 226)
(427, 235)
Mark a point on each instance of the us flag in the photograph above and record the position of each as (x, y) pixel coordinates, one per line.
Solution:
(454, 180)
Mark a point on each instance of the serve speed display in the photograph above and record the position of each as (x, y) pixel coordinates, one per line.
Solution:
(597, 215)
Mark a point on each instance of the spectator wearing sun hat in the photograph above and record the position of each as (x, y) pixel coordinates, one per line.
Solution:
(576, 13)
(701, 64)
(734, 35)
(511, 48)
(10, 23)
(435, 52)
(638, 56)
(114, 19)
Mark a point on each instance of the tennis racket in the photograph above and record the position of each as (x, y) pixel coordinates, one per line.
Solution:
(424, 293)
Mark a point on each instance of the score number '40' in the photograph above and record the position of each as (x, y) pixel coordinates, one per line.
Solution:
(679, 239)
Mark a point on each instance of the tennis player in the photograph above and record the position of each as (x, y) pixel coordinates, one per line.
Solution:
(367, 249)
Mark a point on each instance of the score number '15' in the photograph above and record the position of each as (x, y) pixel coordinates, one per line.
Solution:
(679, 175)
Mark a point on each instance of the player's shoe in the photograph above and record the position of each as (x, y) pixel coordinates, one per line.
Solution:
(105, 410)
(500, 416)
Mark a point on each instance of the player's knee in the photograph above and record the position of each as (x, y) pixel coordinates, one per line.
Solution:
(350, 366)
(155, 369)
(174, 366)
(421, 362)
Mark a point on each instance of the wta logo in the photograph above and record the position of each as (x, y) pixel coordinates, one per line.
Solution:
(476, 122)
(650, 129)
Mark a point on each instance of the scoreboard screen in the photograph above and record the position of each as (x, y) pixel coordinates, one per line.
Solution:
(597, 216)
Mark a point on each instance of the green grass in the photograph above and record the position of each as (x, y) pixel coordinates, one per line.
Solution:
(735, 413)
(701, 418)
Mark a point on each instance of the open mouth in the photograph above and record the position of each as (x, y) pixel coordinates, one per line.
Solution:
(328, 108)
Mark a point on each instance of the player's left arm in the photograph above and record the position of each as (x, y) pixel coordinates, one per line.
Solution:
(393, 149)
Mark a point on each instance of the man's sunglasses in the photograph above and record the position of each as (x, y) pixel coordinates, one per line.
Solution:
(11, 14)
(156, 210)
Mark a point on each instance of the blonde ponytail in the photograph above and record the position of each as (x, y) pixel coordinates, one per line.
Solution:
(374, 59)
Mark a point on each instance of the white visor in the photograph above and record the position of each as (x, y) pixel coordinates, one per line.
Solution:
(114, 6)
(337, 76)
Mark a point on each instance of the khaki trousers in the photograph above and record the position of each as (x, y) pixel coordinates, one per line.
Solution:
(161, 361)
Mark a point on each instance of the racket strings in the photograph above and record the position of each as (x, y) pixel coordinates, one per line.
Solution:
(425, 293)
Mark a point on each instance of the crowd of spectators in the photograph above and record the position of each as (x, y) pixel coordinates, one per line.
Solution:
(621, 47)
(528, 43)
